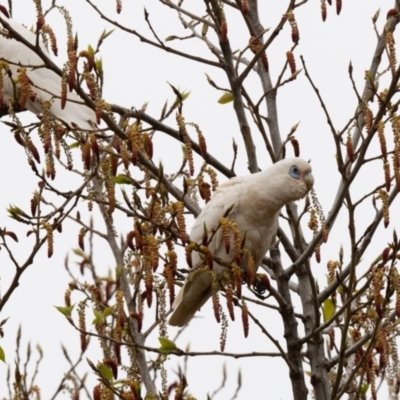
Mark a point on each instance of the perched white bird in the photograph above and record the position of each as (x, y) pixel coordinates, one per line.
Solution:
(45, 83)
(256, 201)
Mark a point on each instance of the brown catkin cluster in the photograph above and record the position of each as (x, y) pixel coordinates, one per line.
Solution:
(50, 167)
(323, 10)
(229, 301)
(392, 51)
(349, 147)
(147, 184)
(378, 275)
(119, 6)
(204, 188)
(237, 240)
(250, 270)
(81, 237)
(386, 171)
(395, 283)
(396, 153)
(237, 279)
(207, 256)
(216, 305)
(67, 297)
(26, 91)
(39, 14)
(86, 155)
(224, 331)
(48, 31)
(188, 253)
(295, 29)
(89, 65)
(50, 238)
(169, 278)
(226, 233)
(119, 297)
(3, 66)
(371, 374)
(148, 281)
(109, 183)
(201, 140)
(245, 318)
(338, 6)
(189, 152)
(255, 46)
(368, 119)
(133, 142)
(64, 86)
(384, 197)
(179, 208)
(317, 219)
(45, 128)
(82, 325)
(213, 176)
(382, 140)
(72, 69)
(291, 61)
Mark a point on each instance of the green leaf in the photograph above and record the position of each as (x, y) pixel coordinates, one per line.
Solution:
(16, 211)
(74, 145)
(105, 34)
(227, 97)
(97, 313)
(107, 311)
(123, 180)
(2, 355)
(167, 345)
(106, 372)
(328, 309)
(364, 389)
(67, 311)
(90, 50)
(99, 66)
(368, 76)
(91, 365)
(185, 95)
(118, 271)
(137, 387)
(294, 76)
(376, 16)
(79, 252)
(184, 151)
(99, 317)
(210, 81)
(204, 30)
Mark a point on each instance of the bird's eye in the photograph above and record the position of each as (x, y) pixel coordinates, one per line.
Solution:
(294, 172)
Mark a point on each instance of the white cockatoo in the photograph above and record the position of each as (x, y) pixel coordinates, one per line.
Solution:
(45, 83)
(254, 203)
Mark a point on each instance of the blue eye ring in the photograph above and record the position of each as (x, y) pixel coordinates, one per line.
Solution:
(294, 172)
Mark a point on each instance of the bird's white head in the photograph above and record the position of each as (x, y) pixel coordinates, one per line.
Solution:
(291, 178)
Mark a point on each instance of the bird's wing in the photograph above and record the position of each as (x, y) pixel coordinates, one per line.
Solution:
(227, 196)
(46, 83)
(195, 292)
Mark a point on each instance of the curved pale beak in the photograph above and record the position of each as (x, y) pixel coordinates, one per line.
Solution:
(309, 180)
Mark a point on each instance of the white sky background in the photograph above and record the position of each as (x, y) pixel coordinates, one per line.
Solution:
(136, 73)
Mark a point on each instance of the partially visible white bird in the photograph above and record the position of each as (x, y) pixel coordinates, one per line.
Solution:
(45, 83)
(257, 200)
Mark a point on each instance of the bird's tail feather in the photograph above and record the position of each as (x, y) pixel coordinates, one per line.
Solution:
(187, 303)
